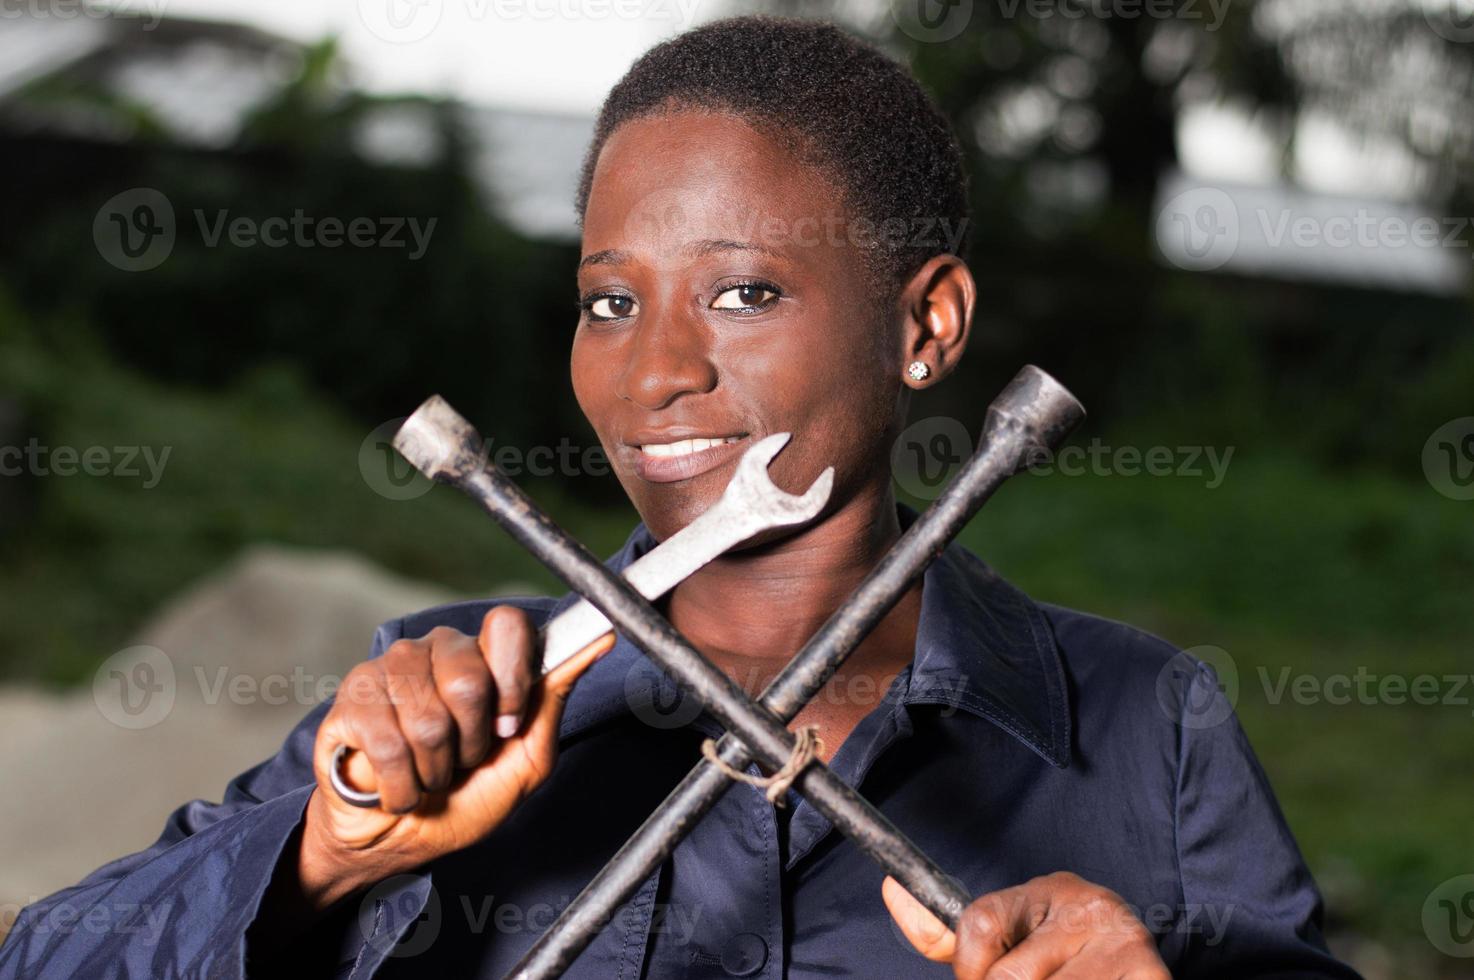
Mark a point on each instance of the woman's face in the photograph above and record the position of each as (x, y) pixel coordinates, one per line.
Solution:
(724, 298)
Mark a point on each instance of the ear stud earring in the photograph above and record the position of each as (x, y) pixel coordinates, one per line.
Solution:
(918, 371)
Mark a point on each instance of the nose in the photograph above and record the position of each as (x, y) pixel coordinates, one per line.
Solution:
(669, 357)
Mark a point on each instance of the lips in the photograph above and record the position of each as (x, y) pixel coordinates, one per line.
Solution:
(667, 458)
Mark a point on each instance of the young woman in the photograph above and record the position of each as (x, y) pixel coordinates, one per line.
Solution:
(772, 222)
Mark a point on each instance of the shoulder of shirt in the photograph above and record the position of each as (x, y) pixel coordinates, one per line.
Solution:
(1112, 663)
(1081, 635)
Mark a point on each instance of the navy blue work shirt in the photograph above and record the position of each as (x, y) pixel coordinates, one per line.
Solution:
(1022, 739)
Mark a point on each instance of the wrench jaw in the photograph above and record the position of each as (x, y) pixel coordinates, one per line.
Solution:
(760, 498)
(752, 469)
(813, 500)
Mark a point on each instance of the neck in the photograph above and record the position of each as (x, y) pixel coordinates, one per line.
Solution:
(752, 610)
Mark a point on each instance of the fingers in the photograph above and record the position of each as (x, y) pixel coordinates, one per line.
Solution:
(372, 726)
(926, 932)
(433, 706)
(1058, 926)
(993, 925)
(509, 644)
(558, 685)
(427, 707)
(465, 685)
(1139, 968)
(1040, 955)
(424, 720)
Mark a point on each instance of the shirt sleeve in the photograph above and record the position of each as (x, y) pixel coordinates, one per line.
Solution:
(182, 907)
(1250, 906)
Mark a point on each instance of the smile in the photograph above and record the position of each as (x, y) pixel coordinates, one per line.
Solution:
(682, 459)
(685, 447)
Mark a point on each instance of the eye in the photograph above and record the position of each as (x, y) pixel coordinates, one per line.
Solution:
(610, 307)
(746, 296)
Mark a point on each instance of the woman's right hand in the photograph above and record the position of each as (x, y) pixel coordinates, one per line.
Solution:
(452, 731)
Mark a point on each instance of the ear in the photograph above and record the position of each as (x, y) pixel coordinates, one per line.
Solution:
(936, 308)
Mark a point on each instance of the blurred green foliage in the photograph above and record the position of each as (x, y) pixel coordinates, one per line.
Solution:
(266, 458)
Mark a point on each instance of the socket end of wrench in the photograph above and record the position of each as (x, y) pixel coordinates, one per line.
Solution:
(1041, 406)
(438, 441)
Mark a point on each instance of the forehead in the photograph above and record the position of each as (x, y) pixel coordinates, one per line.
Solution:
(664, 181)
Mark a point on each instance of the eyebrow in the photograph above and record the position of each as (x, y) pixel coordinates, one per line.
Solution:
(711, 245)
(707, 246)
(610, 256)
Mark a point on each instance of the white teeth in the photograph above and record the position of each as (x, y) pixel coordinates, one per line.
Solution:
(684, 447)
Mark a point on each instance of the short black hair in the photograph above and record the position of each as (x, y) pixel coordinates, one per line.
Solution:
(853, 111)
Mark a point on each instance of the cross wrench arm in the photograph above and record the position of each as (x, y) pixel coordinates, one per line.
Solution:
(1032, 415)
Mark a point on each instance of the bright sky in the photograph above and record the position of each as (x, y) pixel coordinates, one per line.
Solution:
(564, 55)
(560, 55)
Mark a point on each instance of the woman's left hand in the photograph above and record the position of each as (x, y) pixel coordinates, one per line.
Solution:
(1058, 926)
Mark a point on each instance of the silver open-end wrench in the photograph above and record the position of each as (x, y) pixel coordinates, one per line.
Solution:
(750, 505)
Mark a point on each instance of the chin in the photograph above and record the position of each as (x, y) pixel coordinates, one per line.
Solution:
(673, 511)
(665, 508)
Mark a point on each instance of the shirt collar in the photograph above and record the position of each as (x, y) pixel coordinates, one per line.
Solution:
(982, 646)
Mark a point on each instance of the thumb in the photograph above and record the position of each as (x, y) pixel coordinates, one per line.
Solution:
(558, 685)
(925, 931)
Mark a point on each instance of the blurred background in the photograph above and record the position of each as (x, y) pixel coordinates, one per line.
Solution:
(242, 239)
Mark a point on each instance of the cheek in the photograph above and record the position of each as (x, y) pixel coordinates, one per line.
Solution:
(590, 378)
(834, 388)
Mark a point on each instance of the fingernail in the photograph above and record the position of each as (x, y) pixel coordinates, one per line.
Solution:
(506, 726)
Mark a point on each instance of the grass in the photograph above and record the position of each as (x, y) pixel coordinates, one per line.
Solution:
(1283, 566)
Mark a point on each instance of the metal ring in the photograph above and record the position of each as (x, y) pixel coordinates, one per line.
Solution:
(345, 792)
